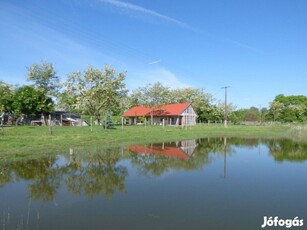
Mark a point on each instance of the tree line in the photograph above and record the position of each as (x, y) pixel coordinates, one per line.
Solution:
(281, 109)
(102, 92)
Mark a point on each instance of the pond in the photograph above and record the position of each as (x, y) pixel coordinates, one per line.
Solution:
(212, 183)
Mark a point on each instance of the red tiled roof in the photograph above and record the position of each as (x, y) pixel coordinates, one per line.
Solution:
(163, 110)
(157, 150)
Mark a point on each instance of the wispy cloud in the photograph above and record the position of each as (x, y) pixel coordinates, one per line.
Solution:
(154, 62)
(136, 8)
(149, 76)
(242, 45)
(25, 41)
(142, 10)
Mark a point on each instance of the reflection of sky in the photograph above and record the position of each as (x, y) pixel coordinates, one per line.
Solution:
(61, 161)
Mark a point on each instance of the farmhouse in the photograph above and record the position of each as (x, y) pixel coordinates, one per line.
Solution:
(169, 114)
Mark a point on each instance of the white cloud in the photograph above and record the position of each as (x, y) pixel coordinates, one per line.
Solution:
(166, 77)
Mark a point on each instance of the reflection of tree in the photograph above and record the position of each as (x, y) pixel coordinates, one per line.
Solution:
(44, 187)
(218, 145)
(148, 164)
(244, 142)
(5, 174)
(99, 175)
(287, 150)
(91, 174)
(45, 175)
(98, 171)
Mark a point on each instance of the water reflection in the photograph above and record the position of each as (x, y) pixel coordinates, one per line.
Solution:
(287, 150)
(95, 171)
(178, 149)
(225, 157)
(89, 174)
(95, 175)
(157, 159)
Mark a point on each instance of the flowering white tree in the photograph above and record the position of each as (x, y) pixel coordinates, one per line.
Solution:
(96, 91)
(44, 77)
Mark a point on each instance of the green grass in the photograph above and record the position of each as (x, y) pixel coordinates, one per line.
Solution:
(26, 141)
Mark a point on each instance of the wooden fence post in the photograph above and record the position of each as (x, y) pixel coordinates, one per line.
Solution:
(50, 129)
(91, 121)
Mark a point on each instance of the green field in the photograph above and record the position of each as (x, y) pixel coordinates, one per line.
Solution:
(26, 141)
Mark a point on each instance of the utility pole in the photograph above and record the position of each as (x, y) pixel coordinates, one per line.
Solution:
(225, 112)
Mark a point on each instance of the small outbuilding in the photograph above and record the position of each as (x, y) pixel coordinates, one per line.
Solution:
(169, 114)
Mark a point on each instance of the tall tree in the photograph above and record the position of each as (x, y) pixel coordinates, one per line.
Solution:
(67, 102)
(44, 77)
(6, 94)
(289, 108)
(27, 100)
(151, 95)
(220, 110)
(252, 114)
(238, 116)
(275, 110)
(97, 92)
(200, 100)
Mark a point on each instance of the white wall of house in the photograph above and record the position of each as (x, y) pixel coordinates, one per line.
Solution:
(189, 116)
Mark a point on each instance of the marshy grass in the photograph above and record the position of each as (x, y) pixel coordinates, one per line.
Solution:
(299, 132)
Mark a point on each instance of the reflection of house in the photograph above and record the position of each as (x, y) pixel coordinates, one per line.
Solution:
(179, 149)
(170, 114)
(188, 146)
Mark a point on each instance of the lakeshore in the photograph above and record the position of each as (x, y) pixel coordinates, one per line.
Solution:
(34, 141)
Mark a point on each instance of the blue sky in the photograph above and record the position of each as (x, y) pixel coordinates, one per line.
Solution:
(258, 48)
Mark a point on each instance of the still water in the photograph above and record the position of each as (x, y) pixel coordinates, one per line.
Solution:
(214, 183)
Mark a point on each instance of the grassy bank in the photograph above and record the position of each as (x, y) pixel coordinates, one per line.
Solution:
(24, 141)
